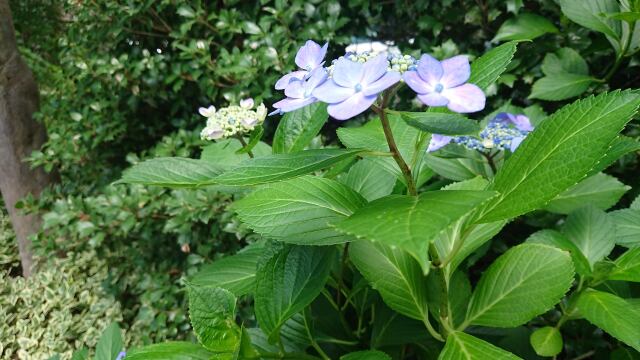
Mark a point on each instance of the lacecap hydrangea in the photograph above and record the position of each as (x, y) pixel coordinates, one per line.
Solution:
(352, 83)
(232, 120)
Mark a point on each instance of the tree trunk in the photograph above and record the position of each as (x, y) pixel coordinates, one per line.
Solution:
(20, 134)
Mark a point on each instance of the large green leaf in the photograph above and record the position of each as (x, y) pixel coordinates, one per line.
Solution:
(487, 69)
(564, 60)
(300, 210)
(212, 313)
(369, 180)
(627, 227)
(412, 222)
(600, 190)
(224, 153)
(524, 282)
(592, 231)
(620, 147)
(461, 346)
(456, 169)
(366, 355)
(235, 273)
(110, 343)
(560, 86)
(176, 350)
(525, 26)
(172, 172)
(280, 167)
(440, 123)
(554, 238)
(591, 14)
(288, 282)
(297, 128)
(559, 153)
(395, 275)
(627, 266)
(612, 314)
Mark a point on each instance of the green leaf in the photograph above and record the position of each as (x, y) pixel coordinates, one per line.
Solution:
(457, 169)
(564, 60)
(439, 123)
(366, 355)
(592, 231)
(212, 312)
(629, 17)
(612, 314)
(110, 343)
(395, 275)
(461, 346)
(225, 154)
(487, 69)
(279, 167)
(80, 354)
(369, 180)
(547, 341)
(297, 128)
(600, 190)
(460, 289)
(554, 238)
(300, 210)
(589, 13)
(172, 172)
(186, 11)
(525, 26)
(635, 204)
(174, 350)
(399, 220)
(511, 291)
(620, 147)
(627, 227)
(560, 86)
(234, 273)
(370, 136)
(627, 266)
(288, 282)
(559, 152)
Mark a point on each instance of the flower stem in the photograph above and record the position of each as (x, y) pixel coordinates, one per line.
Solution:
(393, 148)
(244, 145)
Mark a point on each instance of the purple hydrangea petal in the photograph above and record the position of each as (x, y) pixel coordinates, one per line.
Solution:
(282, 83)
(456, 71)
(433, 99)
(332, 93)
(347, 73)
(289, 104)
(354, 105)
(374, 69)
(466, 98)
(317, 78)
(430, 69)
(416, 83)
(386, 81)
(522, 123)
(438, 141)
(295, 89)
(515, 142)
(310, 56)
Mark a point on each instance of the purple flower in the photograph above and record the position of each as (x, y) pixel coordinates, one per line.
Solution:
(354, 86)
(299, 92)
(440, 83)
(438, 141)
(121, 355)
(521, 122)
(309, 57)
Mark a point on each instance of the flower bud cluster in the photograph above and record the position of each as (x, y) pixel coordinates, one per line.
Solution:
(395, 61)
(232, 120)
(496, 136)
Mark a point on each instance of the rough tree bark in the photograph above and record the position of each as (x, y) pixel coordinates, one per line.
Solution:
(20, 134)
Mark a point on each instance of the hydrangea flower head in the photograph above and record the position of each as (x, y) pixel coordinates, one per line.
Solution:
(300, 92)
(232, 120)
(444, 83)
(354, 86)
(504, 132)
(309, 57)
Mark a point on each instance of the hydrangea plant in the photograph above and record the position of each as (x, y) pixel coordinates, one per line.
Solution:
(363, 256)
